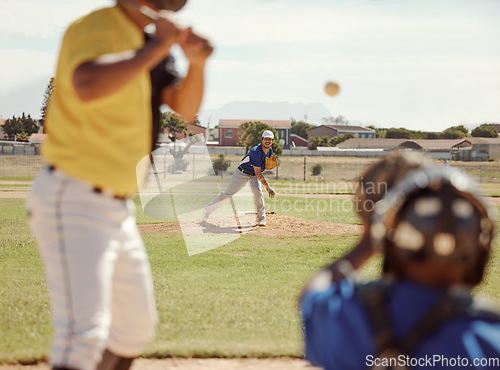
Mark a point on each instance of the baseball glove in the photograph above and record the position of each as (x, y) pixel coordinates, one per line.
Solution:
(271, 162)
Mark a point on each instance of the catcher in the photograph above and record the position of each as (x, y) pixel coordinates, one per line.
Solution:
(111, 78)
(435, 234)
(257, 160)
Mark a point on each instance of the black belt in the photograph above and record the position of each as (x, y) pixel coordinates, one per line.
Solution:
(245, 172)
(96, 189)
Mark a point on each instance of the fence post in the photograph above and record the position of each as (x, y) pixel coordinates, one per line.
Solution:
(305, 168)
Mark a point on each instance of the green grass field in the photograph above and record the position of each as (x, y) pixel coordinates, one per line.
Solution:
(239, 300)
(236, 300)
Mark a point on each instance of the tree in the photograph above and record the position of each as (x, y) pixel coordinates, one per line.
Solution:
(454, 132)
(398, 133)
(316, 141)
(12, 127)
(485, 130)
(327, 141)
(461, 128)
(300, 128)
(336, 140)
(251, 133)
(379, 132)
(433, 136)
(20, 128)
(339, 120)
(175, 124)
(451, 133)
(46, 98)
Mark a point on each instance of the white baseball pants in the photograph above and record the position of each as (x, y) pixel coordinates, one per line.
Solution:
(97, 271)
(238, 181)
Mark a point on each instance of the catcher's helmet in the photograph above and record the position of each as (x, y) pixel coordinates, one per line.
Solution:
(382, 176)
(434, 214)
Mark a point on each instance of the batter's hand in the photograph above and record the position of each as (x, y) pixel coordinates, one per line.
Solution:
(196, 48)
(271, 192)
(166, 32)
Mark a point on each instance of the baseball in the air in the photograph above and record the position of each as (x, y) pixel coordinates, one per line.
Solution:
(332, 88)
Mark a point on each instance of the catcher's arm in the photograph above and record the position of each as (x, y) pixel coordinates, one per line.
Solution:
(261, 178)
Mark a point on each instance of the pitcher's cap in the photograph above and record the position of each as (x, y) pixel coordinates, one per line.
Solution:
(268, 133)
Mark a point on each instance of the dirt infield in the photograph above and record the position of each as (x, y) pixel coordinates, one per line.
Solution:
(277, 225)
(199, 364)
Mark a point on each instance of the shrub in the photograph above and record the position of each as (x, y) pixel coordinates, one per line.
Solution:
(221, 164)
(317, 169)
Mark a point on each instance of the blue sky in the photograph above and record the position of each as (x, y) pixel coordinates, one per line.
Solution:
(419, 64)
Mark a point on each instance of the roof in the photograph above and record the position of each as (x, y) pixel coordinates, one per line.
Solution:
(270, 122)
(437, 144)
(480, 140)
(298, 139)
(392, 143)
(371, 143)
(345, 128)
(37, 138)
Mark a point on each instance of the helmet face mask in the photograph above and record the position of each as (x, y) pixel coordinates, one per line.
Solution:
(434, 215)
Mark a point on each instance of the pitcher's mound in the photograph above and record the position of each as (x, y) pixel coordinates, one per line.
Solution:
(246, 223)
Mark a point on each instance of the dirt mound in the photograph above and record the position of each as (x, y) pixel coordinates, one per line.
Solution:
(277, 225)
(199, 364)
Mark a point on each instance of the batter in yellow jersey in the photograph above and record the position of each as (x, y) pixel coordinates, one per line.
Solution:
(109, 84)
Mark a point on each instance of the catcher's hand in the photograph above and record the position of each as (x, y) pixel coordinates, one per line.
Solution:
(271, 162)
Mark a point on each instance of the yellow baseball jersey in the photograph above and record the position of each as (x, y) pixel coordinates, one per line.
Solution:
(100, 141)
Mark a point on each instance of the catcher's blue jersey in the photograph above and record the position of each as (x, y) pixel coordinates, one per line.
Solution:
(338, 332)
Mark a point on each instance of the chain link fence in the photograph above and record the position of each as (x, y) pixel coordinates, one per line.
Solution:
(16, 166)
(316, 169)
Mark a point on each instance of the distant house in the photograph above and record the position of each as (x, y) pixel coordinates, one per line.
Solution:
(229, 131)
(336, 130)
(298, 141)
(437, 149)
(476, 149)
(2, 134)
(37, 139)
(468, 149)
(191, 127)
(386, 144)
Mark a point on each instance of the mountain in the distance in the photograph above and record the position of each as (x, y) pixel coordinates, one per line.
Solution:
(254, 110)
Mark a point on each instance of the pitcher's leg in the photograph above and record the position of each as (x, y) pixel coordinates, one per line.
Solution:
(237, 183)
(258, 196)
